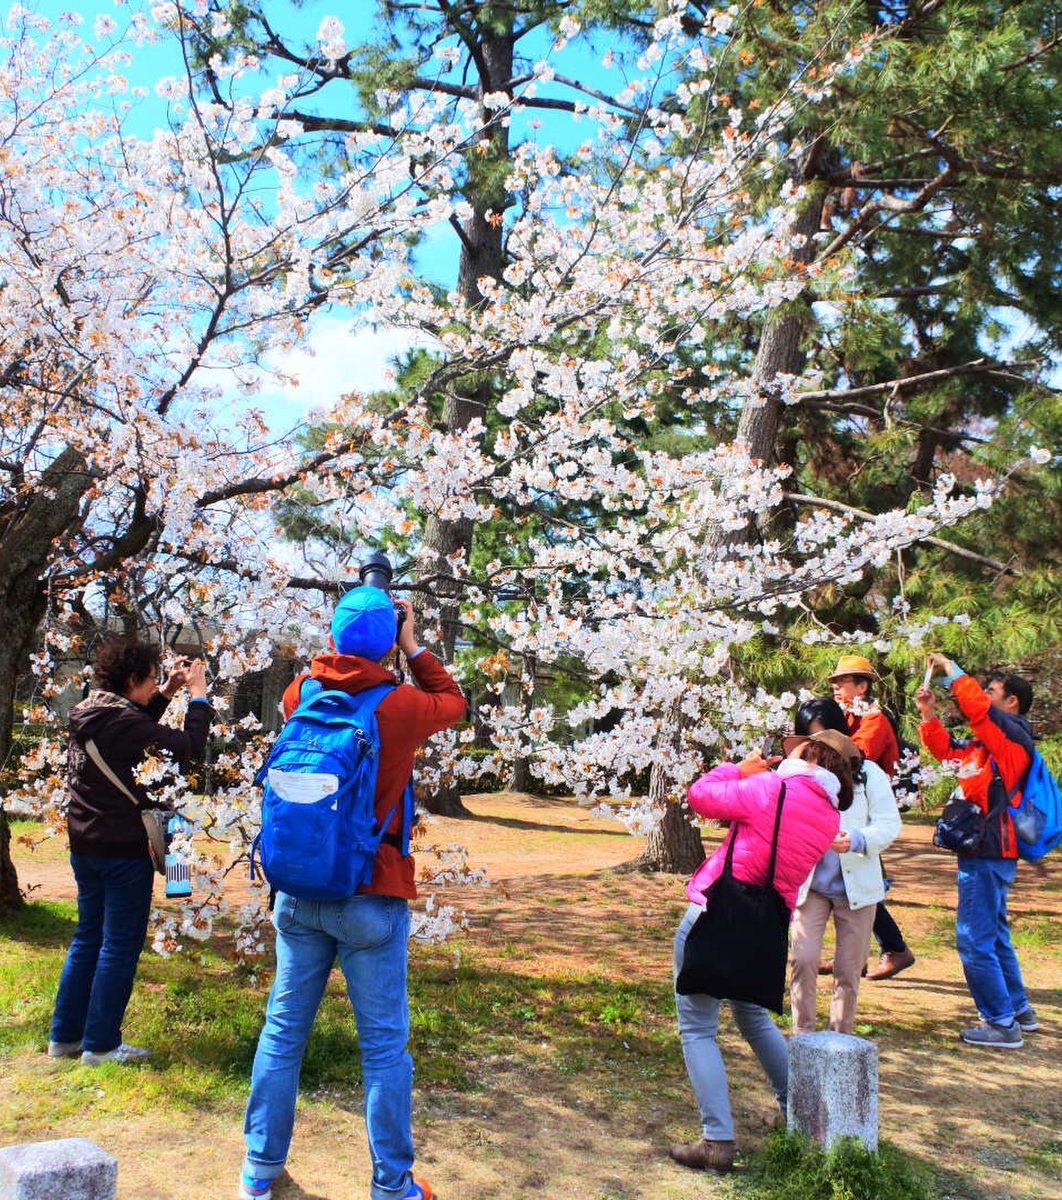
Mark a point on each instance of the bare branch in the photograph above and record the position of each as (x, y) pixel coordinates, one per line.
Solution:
(980, 366)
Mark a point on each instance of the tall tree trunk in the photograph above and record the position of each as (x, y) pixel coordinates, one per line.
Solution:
(482, 255)
(675, 844)
(671, 847)
(26, 537)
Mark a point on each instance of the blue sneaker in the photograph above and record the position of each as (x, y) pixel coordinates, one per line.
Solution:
(255, 1189)
(419, 1189)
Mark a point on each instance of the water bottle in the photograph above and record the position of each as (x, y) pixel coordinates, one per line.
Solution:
(178, 872)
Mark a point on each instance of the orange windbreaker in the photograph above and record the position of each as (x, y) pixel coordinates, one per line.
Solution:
(998, 737)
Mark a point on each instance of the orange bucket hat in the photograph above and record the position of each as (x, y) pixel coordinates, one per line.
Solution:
(854, 664)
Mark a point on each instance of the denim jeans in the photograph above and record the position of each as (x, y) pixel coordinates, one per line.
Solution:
(698, 1021)
(113, 905)
(369, 935)
(982, 938)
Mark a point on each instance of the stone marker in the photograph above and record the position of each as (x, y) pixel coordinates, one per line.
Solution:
(70, 1169)
(833, 1088)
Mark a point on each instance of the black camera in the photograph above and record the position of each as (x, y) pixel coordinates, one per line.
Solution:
(376, 571)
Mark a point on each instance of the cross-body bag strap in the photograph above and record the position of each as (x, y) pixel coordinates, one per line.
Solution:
(774, 839)
(93, 751)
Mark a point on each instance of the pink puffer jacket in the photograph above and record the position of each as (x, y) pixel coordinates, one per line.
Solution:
(809, 824)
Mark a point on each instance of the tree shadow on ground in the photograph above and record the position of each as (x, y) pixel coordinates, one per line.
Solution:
(40, 924)
(542, 826)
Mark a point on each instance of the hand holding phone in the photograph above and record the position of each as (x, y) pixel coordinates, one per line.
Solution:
(927, 679)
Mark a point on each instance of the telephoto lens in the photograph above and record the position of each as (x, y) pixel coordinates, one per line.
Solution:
(376, 571)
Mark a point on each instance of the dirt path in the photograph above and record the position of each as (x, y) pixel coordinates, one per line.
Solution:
(555, 907)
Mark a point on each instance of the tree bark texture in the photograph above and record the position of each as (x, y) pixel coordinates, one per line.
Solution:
(675, 844)
(482, 255)
(27, 532)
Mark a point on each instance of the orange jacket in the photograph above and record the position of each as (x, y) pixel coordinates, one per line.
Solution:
(405, 718)
(874, 735)
(999, 738)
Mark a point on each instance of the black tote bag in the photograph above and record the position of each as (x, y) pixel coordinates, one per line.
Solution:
(737, 948)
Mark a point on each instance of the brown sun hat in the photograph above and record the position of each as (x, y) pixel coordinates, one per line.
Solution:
(854, 664)
(844, 746)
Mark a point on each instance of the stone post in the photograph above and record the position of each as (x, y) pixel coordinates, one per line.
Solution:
(833, 1088)
(70, 1168)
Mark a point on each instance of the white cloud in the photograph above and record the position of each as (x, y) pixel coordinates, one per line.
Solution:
(336, 357)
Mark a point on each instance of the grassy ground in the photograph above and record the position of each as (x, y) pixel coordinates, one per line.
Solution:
(544, 1040)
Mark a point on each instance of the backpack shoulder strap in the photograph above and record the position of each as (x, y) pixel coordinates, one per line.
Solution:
(1022, 778)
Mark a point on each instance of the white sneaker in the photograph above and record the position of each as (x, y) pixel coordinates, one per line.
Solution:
(123, 1054)
(64, 1049)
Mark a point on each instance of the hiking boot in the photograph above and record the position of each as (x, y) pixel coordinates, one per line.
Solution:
(123, 1054)
(705, 1155)
(419, 1189)
(64, 1049)
(1027, 1021)
(254, 1189)
(891, 963)
(998, 1037)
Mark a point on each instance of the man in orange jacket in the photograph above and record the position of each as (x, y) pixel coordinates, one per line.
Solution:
(369, 931)
(993, 764)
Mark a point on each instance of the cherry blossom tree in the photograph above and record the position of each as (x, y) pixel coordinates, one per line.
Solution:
(154, 263)
(144, 280)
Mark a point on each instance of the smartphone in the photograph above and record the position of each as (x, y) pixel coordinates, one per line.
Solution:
(927, 678)
(768, 747)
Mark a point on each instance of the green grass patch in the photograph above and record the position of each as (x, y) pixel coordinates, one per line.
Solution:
(789, 1166)
(201, 1014)
(1036, 931)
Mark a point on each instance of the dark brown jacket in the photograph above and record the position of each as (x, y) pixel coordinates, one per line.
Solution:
(101, 820)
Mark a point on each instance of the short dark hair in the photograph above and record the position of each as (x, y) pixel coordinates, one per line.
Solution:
(823, 709)
(1014, 685)
(120, 661)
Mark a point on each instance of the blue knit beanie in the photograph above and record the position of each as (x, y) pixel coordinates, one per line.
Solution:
(364, 623)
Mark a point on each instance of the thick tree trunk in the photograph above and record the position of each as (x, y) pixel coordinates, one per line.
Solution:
(482, 255)
(676, 844)
(780, 351)
(26, 537)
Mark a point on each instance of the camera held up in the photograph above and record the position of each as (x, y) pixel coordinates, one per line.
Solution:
(376, 571)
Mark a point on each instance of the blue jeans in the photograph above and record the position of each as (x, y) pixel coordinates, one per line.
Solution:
(698, 1021)
(982, 938)
(113, 905)
(369, 934)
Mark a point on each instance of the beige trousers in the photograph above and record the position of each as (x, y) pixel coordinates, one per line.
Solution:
(853, 928)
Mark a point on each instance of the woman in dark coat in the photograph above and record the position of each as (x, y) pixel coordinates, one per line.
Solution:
(117, 723)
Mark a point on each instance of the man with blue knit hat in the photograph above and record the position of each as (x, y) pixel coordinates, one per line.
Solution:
(369, 931)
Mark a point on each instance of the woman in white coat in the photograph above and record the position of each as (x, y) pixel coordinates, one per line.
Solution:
(846, 883)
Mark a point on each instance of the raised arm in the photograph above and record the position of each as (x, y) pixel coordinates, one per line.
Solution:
(728, 794)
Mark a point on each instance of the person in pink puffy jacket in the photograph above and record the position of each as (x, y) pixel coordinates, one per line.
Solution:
(818, 783)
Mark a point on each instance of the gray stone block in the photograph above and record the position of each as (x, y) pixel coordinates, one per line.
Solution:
(71, 1168)
(833, 1088)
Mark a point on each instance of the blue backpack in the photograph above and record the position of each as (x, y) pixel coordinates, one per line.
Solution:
(1038, 817)
(319, 834)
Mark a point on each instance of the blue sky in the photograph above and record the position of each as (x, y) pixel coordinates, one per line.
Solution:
(332, 345)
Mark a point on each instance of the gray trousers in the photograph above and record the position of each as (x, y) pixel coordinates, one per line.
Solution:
(698, 1022)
